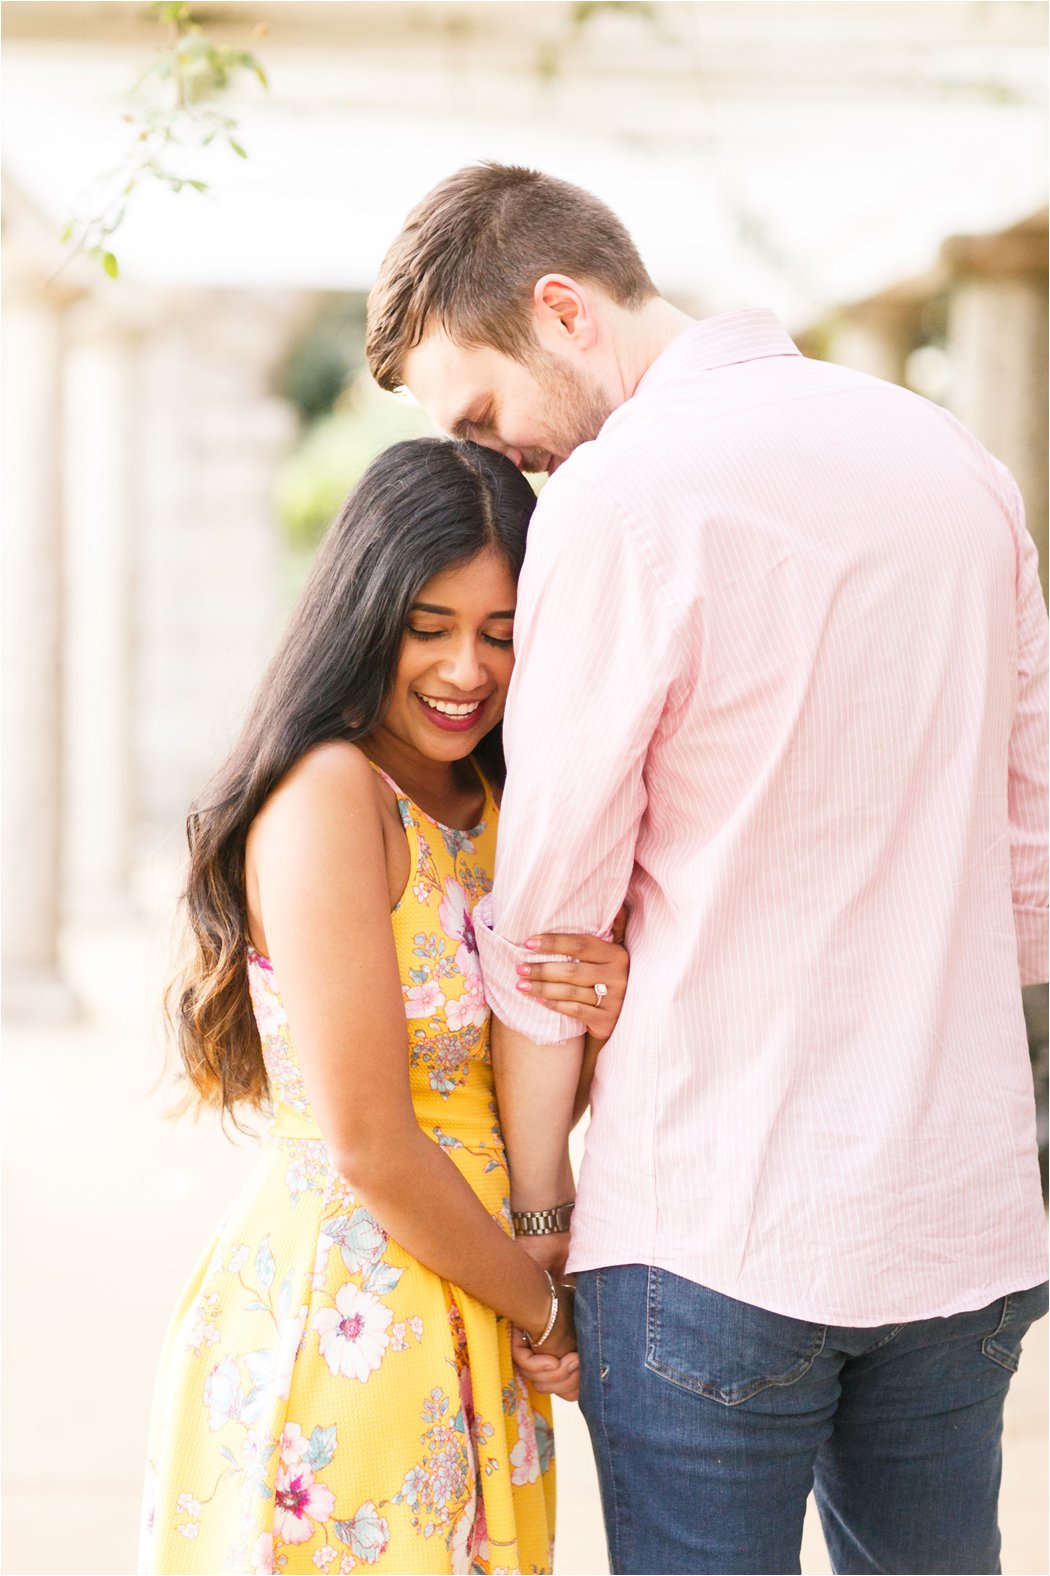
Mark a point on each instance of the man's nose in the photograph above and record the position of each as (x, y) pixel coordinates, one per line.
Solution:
(515, 455)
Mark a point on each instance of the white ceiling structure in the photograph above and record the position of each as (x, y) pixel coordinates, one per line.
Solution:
(796, 155)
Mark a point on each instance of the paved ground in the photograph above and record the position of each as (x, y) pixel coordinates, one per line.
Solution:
(106, 1207)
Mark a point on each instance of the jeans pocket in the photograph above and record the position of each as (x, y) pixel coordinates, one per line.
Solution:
(717, 1347)
(1018, 1312)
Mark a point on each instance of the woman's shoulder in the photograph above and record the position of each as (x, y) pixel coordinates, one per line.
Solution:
(333, 783)
(336, 765)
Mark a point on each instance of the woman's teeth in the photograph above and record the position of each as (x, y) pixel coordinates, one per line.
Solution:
(450, 708)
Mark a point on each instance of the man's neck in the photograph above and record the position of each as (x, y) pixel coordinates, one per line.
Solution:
(645, 334)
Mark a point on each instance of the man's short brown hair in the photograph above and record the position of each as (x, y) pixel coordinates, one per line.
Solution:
(471, 252)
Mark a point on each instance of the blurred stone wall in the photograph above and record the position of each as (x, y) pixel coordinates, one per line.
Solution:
(144, 578)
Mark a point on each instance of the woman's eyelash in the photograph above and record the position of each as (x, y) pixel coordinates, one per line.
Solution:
(435, 634)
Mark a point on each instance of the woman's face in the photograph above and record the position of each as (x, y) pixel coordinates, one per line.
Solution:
(456, 659)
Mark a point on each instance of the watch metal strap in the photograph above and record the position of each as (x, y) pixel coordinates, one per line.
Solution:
(541, 1222)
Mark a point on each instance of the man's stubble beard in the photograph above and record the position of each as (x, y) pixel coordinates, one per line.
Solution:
(575, 408)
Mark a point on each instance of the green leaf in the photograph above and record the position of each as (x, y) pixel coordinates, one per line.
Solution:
(241, 153)
(170, 10)
(66, 232)
(198, 186)
(109, 263)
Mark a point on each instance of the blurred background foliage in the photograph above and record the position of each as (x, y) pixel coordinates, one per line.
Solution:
(178, 119)
(344, 422)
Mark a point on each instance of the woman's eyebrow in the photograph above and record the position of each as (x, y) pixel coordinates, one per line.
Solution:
(450, 612)
(430, 607)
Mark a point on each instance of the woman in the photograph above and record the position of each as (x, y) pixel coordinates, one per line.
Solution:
(337, 1389)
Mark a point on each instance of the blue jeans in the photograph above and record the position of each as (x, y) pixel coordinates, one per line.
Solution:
(711, 1421)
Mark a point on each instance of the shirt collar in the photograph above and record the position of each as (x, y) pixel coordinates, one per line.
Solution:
(720, 341)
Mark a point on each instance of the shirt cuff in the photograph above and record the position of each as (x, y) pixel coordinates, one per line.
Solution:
(1033, 943)
(499, 972)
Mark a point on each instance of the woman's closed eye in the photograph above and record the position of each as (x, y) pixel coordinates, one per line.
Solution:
(436, 634)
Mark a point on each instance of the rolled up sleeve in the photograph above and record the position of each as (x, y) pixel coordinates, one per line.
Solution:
(599, 644)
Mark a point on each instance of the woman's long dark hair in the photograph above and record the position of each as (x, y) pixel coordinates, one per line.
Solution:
(422, 507)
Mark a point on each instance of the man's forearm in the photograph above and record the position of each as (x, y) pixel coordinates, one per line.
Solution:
(536, 1088)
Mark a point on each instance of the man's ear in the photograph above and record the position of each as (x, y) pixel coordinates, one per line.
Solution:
(563, 312)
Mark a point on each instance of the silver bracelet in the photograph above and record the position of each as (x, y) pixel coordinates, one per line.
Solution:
(551, 1318)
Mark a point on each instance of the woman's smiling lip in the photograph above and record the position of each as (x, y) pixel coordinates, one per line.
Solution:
(442, 719)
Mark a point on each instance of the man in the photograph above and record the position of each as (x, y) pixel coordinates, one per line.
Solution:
(781, 680)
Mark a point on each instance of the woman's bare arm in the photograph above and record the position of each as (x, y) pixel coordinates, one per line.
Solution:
(318, 866)
(568, 986)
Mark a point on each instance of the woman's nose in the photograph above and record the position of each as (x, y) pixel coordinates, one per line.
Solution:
(465, 667)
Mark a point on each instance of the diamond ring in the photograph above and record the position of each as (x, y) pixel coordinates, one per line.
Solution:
(600, 993)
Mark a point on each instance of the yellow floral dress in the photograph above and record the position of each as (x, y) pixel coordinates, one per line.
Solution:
(326, 1403)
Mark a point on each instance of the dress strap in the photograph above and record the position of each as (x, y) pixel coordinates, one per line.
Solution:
(490, 797)
(404, 803)
(409, 809)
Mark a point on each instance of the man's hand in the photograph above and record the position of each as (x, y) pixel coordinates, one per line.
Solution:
(550, 1252)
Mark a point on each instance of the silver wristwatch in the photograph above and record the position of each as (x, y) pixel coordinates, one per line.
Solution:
(541, 1222)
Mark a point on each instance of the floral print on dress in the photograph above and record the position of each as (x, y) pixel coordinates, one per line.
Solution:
(352, 1337)
(307, 1170)
(282, 1069)
(328, 1403)
(444, 989)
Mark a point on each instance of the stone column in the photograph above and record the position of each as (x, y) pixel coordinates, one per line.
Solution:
(876, 336)
(32, 615)
(209, 555)
(997, 339)
(100, 442)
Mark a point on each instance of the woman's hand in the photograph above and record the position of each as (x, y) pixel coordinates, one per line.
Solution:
(555, 1368)
(568, 986)
(547, 1375)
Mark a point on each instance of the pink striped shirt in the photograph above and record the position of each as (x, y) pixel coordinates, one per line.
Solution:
(782, 660)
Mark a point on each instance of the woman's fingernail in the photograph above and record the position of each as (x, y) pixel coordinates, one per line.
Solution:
(525, 968)
(524, 985)
(533, 944)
